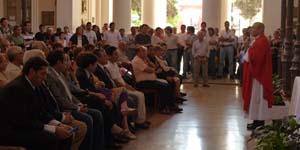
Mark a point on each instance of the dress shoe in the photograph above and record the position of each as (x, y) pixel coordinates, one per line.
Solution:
(113, 146)
(177, 109)
(121, 140)
(182, 94)
(180, 100)
(129, 135)
(142, 125)
(255, 124)
(148, 122)
(206, 85)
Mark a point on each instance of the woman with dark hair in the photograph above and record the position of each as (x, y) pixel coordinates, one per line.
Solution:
(99, 35)
(212, 47)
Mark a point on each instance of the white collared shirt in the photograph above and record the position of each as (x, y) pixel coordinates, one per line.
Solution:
(114, 71)
(12, 71)
(200, 48)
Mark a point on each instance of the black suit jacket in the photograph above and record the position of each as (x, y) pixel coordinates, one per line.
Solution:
(84, 81)
(101, 75)
(20, 108)
(50, 103)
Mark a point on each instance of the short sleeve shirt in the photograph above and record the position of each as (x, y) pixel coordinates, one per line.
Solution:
(138, 68)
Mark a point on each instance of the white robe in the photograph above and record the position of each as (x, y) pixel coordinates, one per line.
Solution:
(258, 109)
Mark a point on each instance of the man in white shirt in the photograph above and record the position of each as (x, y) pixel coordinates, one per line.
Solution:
(112, 37)
(14, 67)
(131, 43)
(114, 71)
(172, 47)
(90, 34)
(227, 50)
(182, 36)
(187, 55)
(146, 79)
(200, 53)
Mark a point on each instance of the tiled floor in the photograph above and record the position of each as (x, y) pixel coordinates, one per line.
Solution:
(212, 120)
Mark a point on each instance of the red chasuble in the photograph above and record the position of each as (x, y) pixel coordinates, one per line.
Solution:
(258, 67)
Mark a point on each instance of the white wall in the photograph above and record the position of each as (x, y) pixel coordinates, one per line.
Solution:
(271, 15)
(211, 12)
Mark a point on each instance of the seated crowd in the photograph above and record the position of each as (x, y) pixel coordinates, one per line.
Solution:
(81, 91)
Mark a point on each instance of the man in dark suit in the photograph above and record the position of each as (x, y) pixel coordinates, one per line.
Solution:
(87, 63)
(25, 123)
(51, 106)
(101, 72)
(66, 101)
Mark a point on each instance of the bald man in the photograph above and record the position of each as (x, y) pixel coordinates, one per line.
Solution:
(14, 67)
(257, 79)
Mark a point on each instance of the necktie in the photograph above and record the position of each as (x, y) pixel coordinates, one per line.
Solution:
(91, 79)
(107, 72)
(109, 75)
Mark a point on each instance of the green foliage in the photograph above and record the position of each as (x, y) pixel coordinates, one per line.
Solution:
(173, 20)
(137, 21)
(136, 6)
(136, 11)
(172, 13)
(277, 89)
(249, 8)
(280, 135)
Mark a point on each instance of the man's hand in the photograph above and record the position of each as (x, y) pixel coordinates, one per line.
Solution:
(100, 96)
(109, 104)
(62, 131)
(83, 108)
(68, 118)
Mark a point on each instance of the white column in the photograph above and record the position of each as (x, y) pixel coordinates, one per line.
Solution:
(106, 11)
(154, 13)
(1, 8)
(98, 13)
(122, 14)
(35, 14)
(224, 10)
(211, 12)
(68, 13)
(271, 15)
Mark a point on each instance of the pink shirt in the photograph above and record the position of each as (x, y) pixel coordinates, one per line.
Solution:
(139, 67)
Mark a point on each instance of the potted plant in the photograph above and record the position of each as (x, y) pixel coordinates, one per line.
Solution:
(279, 108)
(283, 134)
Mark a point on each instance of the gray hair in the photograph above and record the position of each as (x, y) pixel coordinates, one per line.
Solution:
(12, 52)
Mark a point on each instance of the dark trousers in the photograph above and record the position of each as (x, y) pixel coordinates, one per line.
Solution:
(212, 67)
(166, 94)
(110, 117)
(179, 57)
(94, 139)
(34, 140)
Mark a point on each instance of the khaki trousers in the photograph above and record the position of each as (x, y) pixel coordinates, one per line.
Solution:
(200, 64)
(80, 135)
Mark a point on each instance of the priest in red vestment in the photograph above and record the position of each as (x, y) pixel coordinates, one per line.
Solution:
(257, 78)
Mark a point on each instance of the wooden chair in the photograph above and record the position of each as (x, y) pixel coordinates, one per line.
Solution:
(147, 91)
